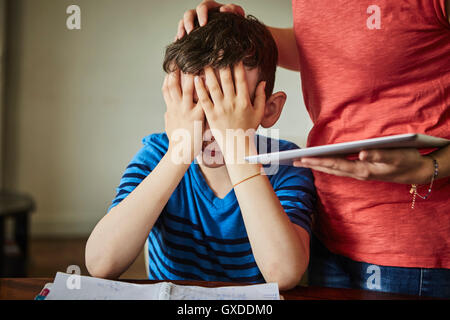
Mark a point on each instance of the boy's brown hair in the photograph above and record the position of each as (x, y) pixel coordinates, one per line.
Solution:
(224, 41)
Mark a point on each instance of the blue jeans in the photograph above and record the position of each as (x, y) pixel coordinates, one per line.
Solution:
(327, 269)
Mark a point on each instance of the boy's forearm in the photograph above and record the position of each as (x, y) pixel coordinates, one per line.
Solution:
(280, 250)
(120, 236)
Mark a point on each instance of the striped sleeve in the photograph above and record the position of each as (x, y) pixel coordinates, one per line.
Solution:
(140, 166)
(296, 192)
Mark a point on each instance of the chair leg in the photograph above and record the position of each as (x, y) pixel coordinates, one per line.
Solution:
(2, 246)
(21, 237)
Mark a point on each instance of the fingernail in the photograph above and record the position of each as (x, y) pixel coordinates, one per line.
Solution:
(362, 155)
(305, 161)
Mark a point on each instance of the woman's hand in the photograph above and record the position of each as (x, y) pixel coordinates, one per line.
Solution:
(183, 118)
(406, 166)
(186, 25)
(230, 111)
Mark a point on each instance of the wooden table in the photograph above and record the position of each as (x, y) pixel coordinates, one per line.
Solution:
(28, 288)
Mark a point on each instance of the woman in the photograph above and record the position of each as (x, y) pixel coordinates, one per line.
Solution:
(383, 220)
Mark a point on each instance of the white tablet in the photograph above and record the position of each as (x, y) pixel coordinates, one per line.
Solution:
(409, 140)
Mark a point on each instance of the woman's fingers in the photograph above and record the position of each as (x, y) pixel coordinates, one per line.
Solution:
(187, 24)
(380, 156)
(338, 166)
(202, 11)
(332, 163)
(189, 20)
(232, 8)
(181, 30)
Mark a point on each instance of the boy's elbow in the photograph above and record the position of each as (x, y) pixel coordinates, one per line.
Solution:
(99, 267)
(95, 270)
(287, 281)
(286, 277)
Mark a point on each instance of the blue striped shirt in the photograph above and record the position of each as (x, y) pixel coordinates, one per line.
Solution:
(199, 236)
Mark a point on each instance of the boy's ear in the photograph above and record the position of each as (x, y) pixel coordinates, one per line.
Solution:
(273, 108)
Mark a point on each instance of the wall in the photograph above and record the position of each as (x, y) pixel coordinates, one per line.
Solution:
(79, 102)
(2, 82)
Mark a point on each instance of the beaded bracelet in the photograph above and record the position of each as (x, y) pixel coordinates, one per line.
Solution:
(413, 190)
(248, 178)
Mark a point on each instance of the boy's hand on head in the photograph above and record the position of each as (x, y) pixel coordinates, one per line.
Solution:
(186, 25)
(183, 118)
(230, 111)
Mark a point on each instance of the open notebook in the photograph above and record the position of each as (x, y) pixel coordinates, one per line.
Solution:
(74, 287)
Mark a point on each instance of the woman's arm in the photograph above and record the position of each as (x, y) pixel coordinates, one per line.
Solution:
(288, 57)
(442, 156)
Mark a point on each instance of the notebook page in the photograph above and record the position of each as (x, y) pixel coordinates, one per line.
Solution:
(65, 287)
(266, 291)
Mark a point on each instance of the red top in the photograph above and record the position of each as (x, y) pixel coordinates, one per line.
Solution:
(359, 83)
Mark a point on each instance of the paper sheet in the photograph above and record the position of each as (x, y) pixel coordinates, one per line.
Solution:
(75, 287)
(266, 291)
(65, 287)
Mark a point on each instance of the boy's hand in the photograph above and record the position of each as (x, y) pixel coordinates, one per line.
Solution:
(183, 118)
(230, 111)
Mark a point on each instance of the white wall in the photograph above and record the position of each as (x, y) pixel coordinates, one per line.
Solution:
(2, 81)
(80, 101)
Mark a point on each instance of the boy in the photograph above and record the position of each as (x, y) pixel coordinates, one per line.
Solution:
(217, 218)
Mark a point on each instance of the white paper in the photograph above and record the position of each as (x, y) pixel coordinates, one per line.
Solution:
(100, 289)
(266, 291)
(75, 287)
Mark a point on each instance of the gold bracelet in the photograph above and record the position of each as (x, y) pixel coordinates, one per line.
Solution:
(413, 190)
(257, 174)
